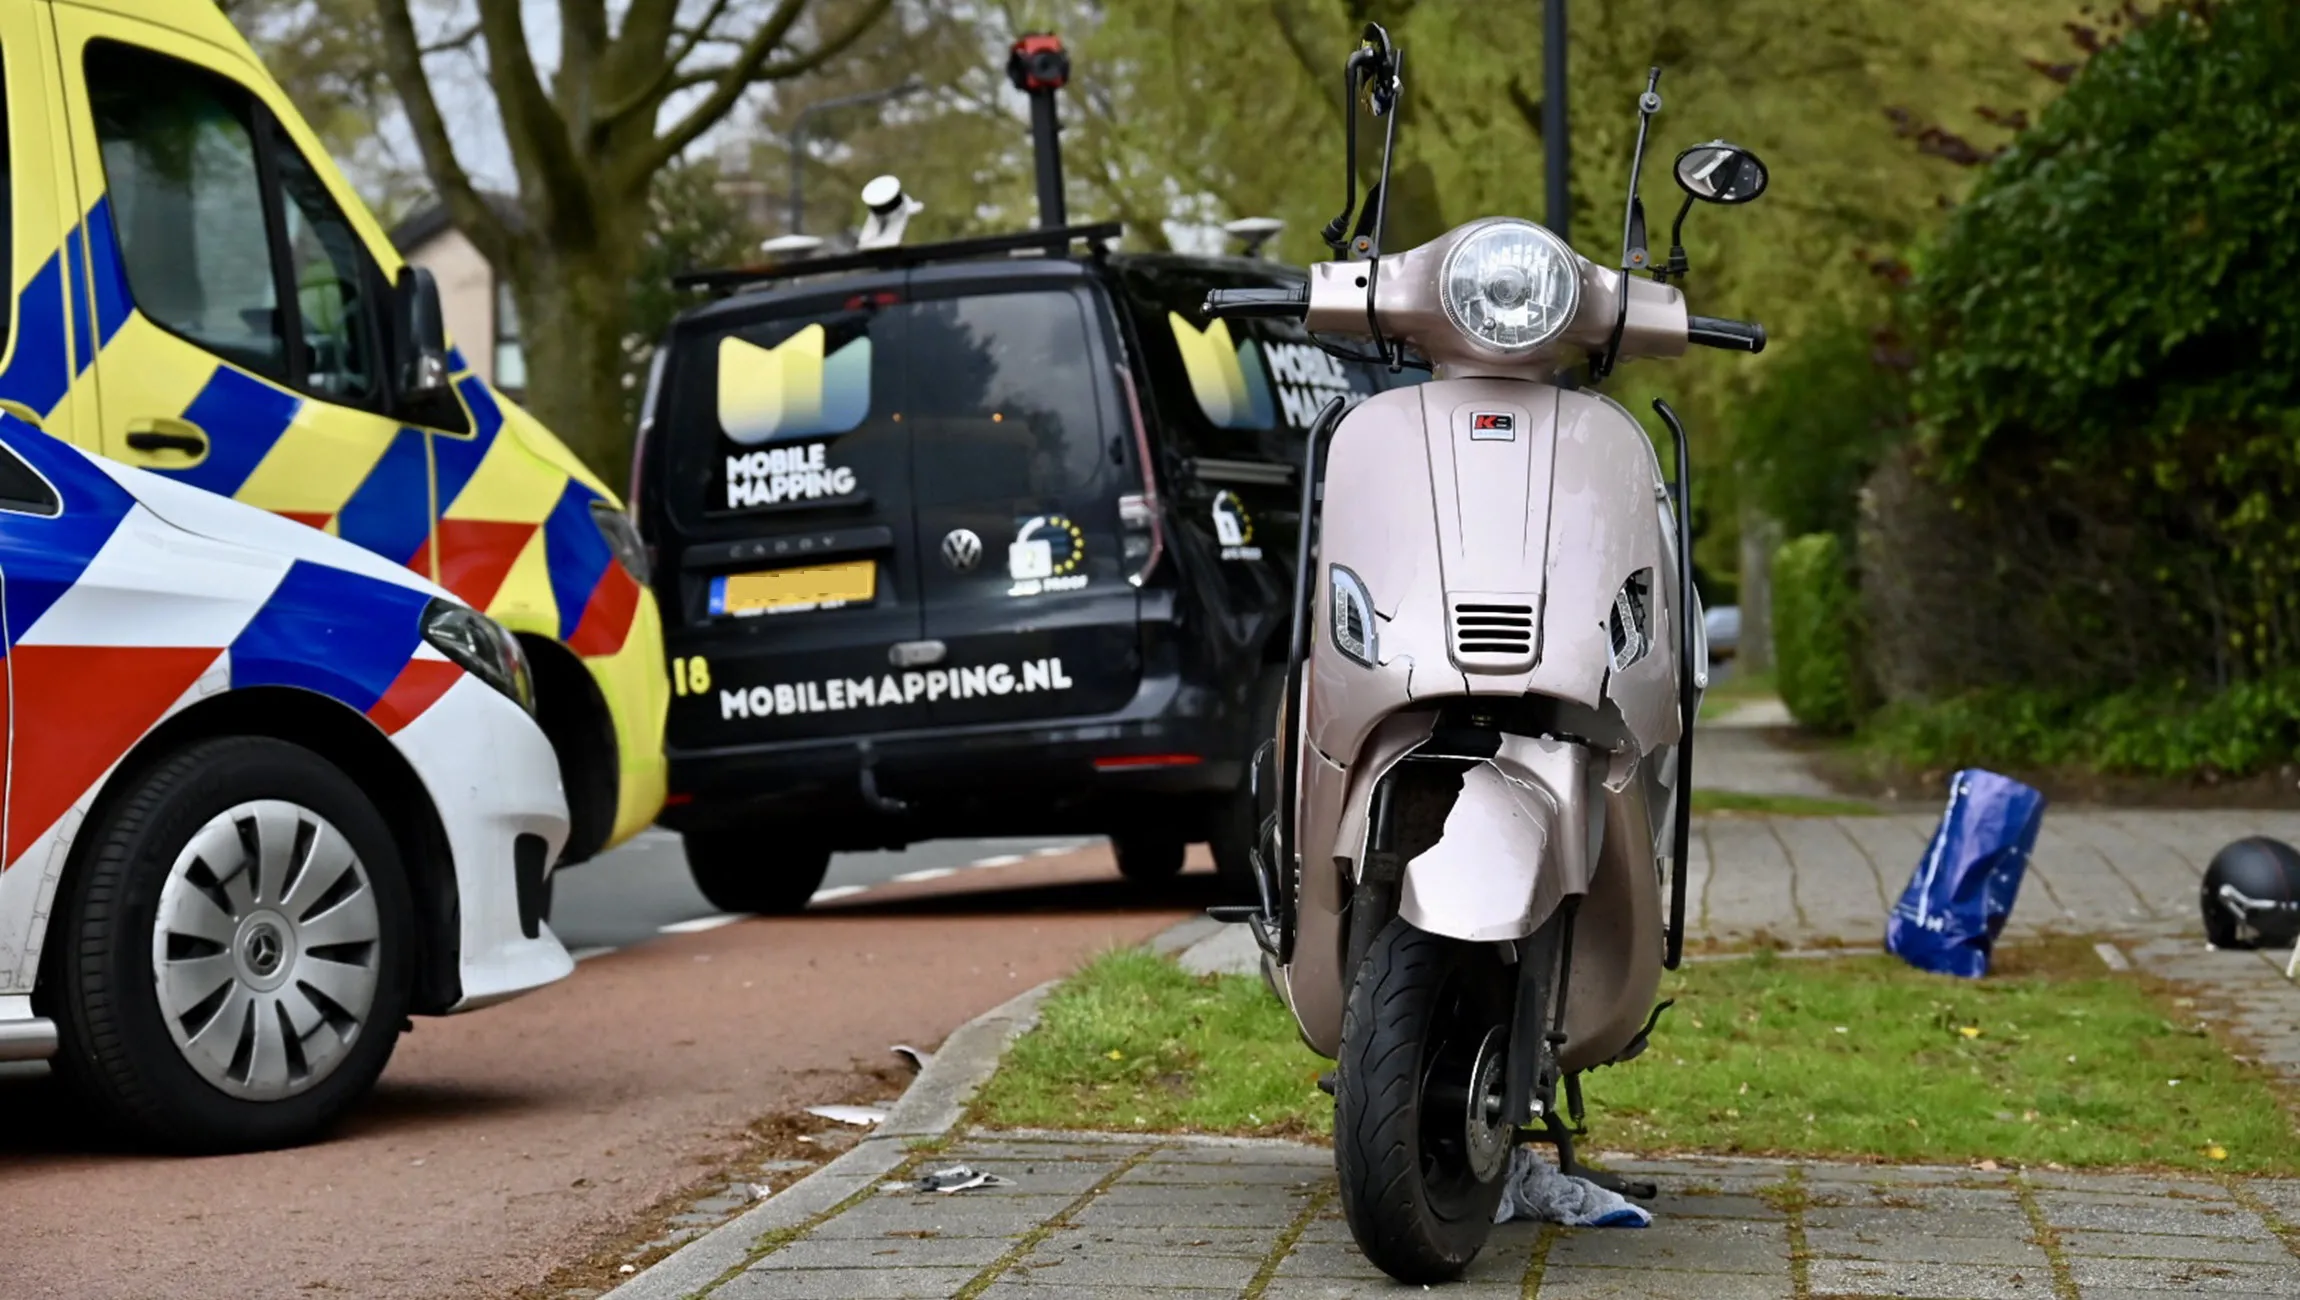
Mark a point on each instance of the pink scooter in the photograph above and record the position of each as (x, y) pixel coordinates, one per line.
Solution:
(1479, 786)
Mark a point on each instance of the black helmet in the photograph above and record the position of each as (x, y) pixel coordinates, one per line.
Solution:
(2252, 895)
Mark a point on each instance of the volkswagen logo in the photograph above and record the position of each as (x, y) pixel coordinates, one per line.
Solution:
(961, 549)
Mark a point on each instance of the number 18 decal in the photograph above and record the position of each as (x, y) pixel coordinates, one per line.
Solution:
(691, 676)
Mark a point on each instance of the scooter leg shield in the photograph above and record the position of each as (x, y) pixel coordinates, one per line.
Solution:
(1512, 849)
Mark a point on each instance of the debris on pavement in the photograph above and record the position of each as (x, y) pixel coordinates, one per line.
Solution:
(1535, 1189)
(959, 1178)
(917, 1058)
(861, 1116)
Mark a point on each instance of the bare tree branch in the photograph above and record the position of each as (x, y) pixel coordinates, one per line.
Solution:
(752, 67)
(666, 81)
(403, 63)
(582, 44)
(536, 132)
(460, 41)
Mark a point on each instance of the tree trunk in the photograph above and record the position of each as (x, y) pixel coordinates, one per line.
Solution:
(1760, 537)
(572, 305)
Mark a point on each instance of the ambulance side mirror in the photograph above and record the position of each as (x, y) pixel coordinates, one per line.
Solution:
(422, 336)
(426, 393)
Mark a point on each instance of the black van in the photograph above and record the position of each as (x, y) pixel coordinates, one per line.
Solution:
(951, 541)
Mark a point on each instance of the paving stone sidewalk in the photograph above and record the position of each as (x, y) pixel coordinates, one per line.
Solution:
(1096, 1216)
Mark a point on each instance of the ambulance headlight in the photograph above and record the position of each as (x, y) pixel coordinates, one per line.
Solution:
(482, 647)
(1510, 285)
(1353, 617)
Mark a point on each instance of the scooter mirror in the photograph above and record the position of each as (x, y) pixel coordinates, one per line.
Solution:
(1718, 172)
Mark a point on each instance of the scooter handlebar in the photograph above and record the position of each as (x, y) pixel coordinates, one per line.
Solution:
(1288, 301)
(1730, 335)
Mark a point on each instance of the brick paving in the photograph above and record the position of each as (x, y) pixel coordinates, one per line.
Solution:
(1096, 1216)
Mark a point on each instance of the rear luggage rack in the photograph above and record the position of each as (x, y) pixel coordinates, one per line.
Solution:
(1055, 241)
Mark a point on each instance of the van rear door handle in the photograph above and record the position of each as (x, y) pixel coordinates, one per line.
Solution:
(163, 433)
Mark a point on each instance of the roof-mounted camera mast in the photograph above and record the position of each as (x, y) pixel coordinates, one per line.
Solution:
(1039, 66)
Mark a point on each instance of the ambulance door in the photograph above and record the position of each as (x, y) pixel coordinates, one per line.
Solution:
(239, 317)
(44, 362)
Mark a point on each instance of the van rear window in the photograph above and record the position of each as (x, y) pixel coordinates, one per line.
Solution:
(1002, 396)
(1244, 389)
(994, 394)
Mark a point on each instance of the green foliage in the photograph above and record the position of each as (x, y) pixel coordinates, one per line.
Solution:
(2110, 334)
(1807, 440)
(1864, 1056)
(2154, 731)
(1816, 642)
(2120, 278)
(1136, 1042)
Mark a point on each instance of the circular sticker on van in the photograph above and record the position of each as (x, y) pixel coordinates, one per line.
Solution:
(1234, 528)
(1045, 555)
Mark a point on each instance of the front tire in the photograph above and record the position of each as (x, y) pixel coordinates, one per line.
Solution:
(231, 963)
(750, 870)
(1420, 1038)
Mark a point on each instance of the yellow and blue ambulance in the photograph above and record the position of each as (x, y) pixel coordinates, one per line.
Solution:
(197, 291)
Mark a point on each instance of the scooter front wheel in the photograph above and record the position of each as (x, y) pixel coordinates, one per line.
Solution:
(1419, 1143)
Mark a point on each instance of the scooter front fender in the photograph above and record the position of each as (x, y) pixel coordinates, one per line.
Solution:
(1518, 841)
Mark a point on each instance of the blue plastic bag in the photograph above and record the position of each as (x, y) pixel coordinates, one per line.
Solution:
(1962, 893)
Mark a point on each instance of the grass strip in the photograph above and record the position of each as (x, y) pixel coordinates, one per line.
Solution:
(1136, 1043)
(2050, 1060)
(1284, 1246)
(1734, 802)
(1735, 690)
(981, 1282)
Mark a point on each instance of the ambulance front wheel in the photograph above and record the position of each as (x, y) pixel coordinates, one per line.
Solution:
(758, 870)
(230, 966)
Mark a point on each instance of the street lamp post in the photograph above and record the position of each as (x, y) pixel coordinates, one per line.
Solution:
(1555, 150)
(804, 119)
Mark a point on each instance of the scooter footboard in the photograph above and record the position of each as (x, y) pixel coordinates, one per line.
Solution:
(1513, 847)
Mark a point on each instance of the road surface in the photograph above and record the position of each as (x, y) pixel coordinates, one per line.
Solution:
(504, 1144)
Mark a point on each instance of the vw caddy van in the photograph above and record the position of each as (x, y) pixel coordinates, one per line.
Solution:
(198, 292)
(978, 538)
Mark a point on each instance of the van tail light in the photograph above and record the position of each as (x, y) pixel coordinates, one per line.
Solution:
(1143, 530)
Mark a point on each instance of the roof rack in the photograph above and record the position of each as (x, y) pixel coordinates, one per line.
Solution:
(1056, 240)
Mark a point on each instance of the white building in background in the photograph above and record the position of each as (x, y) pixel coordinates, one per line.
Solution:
(481, 318)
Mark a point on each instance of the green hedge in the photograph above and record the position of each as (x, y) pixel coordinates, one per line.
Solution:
(2110, 343)
(2158, 731)
(1816, 638)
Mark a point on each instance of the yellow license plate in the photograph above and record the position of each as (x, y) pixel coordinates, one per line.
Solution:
(813, 586)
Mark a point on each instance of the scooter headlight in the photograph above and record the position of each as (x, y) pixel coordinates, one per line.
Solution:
(1353, 617)
(1510, 285)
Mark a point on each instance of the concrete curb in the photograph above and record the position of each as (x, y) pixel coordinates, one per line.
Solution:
(933, 1104)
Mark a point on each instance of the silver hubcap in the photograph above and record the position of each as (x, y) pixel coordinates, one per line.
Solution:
(266, 950)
